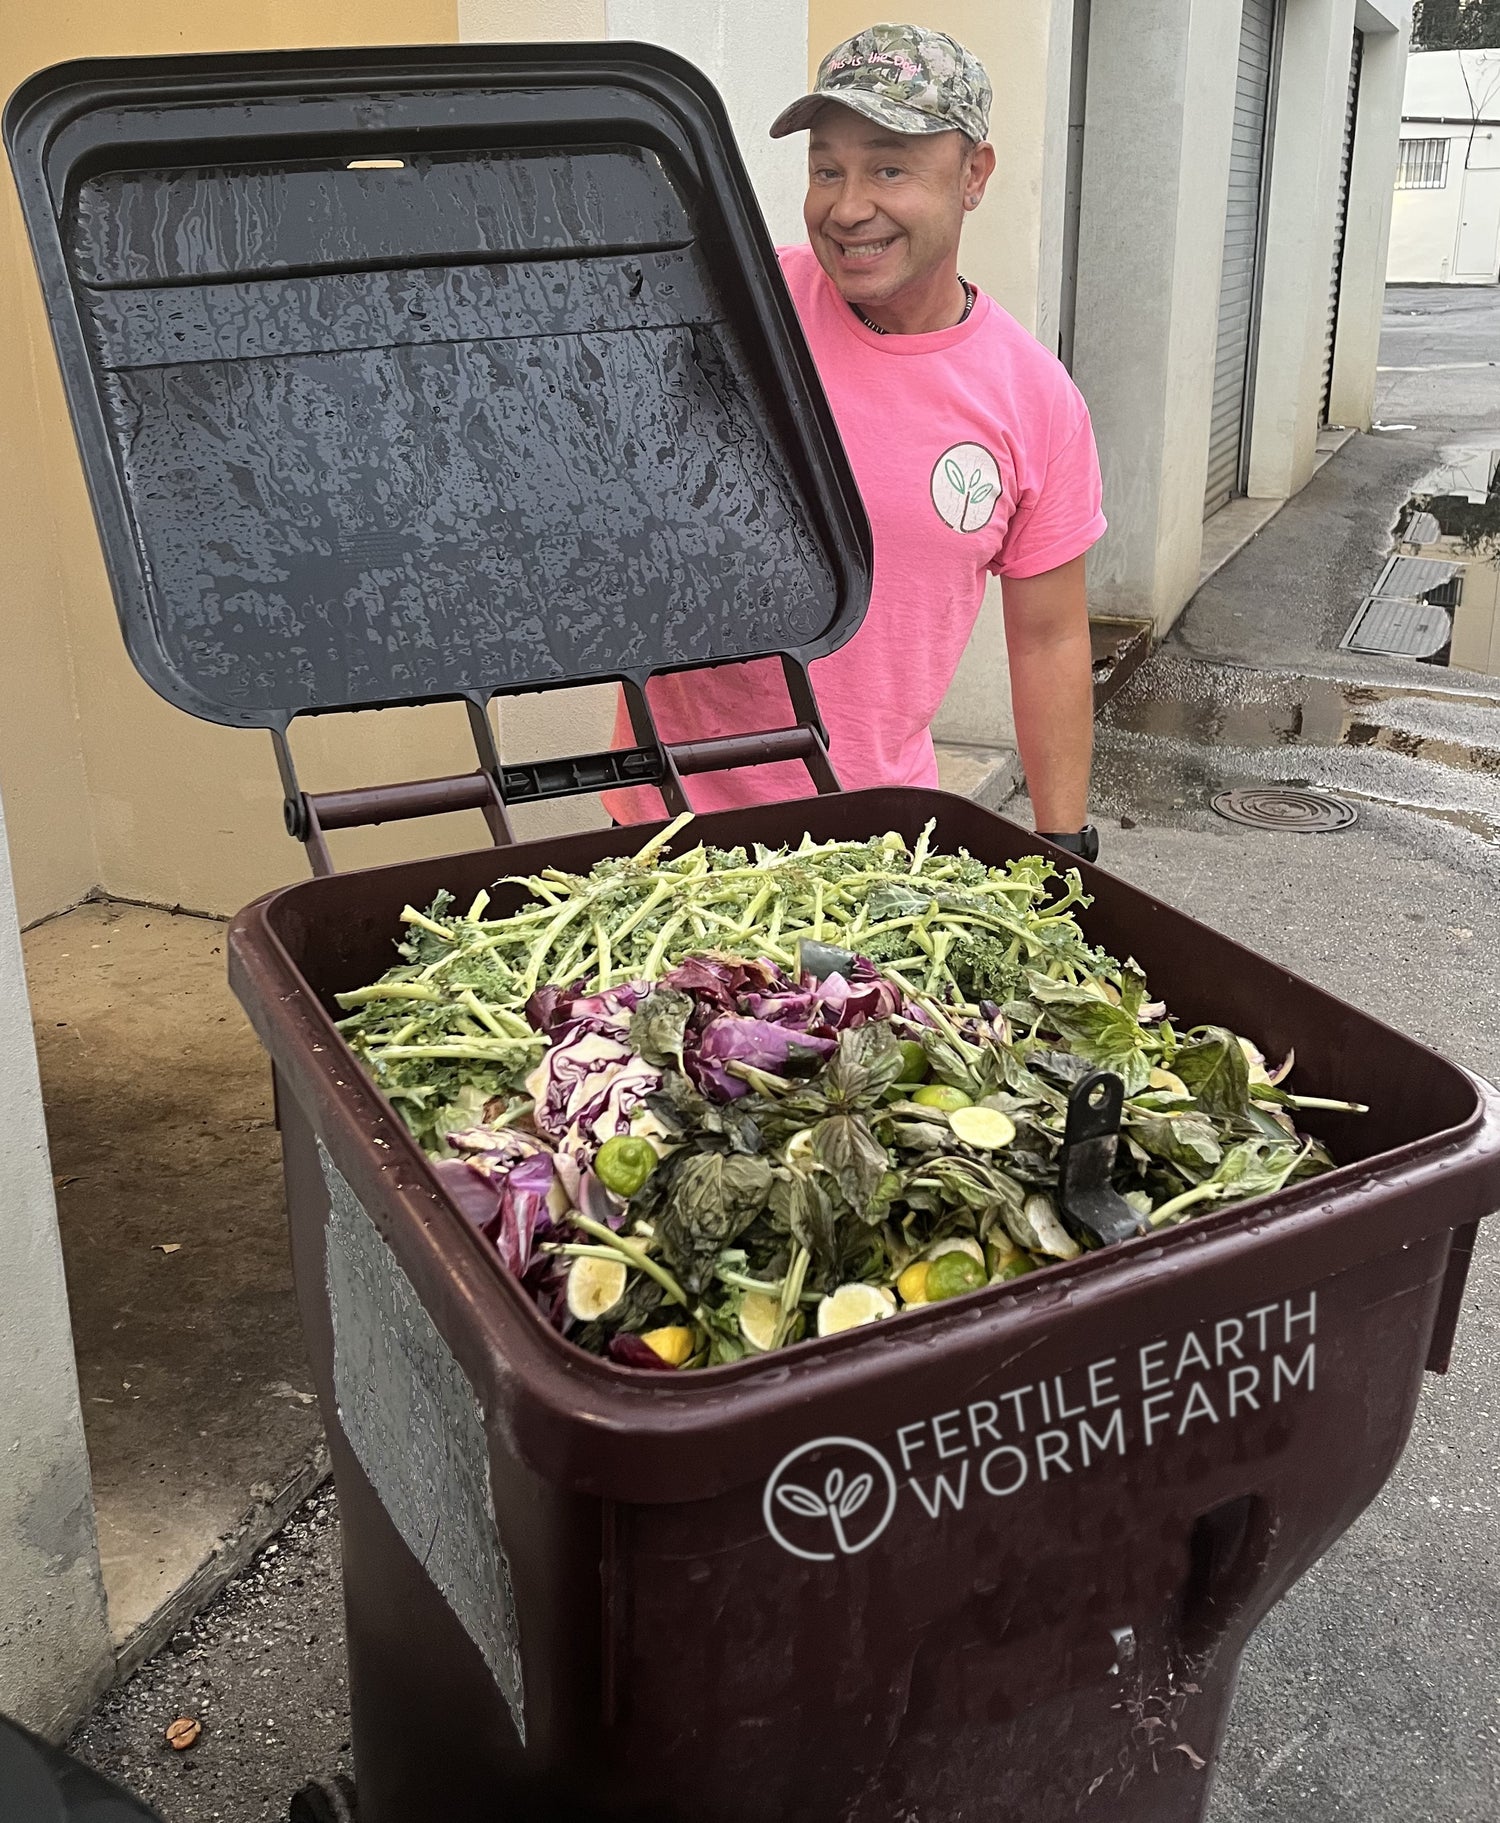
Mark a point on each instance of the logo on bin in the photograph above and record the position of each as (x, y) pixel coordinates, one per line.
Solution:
(833, 1491)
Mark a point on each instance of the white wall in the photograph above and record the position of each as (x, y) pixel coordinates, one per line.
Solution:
(1452, 235)
(1297, 269)
(55, 1652)
(1367, 226)
(1155, 177)
(1424, 223)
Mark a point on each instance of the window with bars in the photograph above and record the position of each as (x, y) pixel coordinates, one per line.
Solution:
(1423, 165)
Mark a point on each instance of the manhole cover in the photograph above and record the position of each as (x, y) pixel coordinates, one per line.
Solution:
(1284, 807)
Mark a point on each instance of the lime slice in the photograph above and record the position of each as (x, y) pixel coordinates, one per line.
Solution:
(851, 1306)
(624, 1164)
(1015, 1267)
(674, 1344)
(952, 1275)
(758, 1319)
(1039, 1229)
(912, 1284)
(938, 1095)
(913, 1061)
(595, 1287)
(986, 1128)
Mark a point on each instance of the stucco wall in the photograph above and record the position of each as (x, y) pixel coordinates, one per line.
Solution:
(54, 1642)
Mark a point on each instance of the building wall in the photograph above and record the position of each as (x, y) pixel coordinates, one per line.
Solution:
(54, 1640)
(1453, 95)
(1424, 223)
(1160, 95)
(1429, 245)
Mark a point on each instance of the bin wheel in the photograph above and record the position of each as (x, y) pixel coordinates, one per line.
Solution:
(325, 1801)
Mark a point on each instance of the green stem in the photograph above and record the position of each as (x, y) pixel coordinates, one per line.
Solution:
(791, 1295)
(640, 1260)
(1316, 1101)
(1170, 1211)
(409, 915)
(494, 1050)
(389, 990)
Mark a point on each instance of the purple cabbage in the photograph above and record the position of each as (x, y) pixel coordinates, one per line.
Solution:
(510, 1211)
(587, 1088)
(523, 1216)
(757, 1042)
(495, 1149)
(556, 1010)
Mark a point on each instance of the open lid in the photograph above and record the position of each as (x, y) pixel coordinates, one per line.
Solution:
(410, 374)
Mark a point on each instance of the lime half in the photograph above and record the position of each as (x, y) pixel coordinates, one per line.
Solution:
(986, 1128)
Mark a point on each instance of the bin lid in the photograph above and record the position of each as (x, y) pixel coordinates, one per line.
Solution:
(402, 374)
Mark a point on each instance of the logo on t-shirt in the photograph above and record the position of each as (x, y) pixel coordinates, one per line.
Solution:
(966, 487)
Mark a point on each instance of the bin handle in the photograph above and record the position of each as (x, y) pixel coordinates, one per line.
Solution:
(496, 786)
(1090, 1203)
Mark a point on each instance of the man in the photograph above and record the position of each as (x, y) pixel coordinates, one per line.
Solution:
(971, 446)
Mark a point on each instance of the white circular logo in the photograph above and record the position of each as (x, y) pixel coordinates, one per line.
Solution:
(842, 1495)
(966, 487)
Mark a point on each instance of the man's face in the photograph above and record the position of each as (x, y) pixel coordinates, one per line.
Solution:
(884, 210)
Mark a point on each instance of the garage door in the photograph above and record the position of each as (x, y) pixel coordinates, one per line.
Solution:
(1346, 165)
(1239, 283)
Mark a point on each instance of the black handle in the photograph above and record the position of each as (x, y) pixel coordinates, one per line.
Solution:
(1090, 1204)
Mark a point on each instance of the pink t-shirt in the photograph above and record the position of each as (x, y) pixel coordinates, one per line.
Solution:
(974, 454)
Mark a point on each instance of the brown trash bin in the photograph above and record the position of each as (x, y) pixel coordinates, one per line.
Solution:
(571, 1589)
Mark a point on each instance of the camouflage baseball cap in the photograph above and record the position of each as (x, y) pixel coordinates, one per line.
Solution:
(904, 77)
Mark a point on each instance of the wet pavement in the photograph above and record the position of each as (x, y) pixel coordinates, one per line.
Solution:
(1368, 1694)
(1182, 730)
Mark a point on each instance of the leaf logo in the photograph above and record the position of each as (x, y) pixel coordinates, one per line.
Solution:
(843, 1494)
(966, 487)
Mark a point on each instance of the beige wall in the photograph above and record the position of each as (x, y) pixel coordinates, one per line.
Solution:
(105, 783)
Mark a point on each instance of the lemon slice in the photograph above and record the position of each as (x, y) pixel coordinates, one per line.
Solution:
(852, 1306)
(1167, 1080)
(674, 1344)
(595, 1287)
(912, 1284)
(758, 1318)
(986, 1128)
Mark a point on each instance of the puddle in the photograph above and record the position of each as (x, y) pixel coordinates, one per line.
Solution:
(1447, 534)
(1181, 732)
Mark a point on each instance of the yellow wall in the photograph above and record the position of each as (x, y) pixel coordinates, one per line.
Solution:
(1001, 242)
(103, 783)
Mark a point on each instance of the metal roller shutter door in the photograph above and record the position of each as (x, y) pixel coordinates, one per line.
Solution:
(1239, 281)
(1341, 220)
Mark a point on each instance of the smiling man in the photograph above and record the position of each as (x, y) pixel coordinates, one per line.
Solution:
(971, 446)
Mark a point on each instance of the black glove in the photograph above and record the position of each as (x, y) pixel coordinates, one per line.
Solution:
(1083, 842)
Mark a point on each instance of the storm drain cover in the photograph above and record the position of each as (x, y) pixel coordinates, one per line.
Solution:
(1286, 808)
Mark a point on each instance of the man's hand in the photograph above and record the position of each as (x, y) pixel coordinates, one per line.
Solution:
(1052, 691)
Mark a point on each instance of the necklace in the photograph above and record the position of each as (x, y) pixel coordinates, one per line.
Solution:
(970, 298)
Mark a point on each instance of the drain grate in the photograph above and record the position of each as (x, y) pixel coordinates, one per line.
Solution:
(1286, 808)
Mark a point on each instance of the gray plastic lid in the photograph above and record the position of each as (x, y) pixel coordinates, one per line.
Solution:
(410, 374)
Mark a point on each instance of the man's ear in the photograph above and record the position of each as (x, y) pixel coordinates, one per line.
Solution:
(978, 170)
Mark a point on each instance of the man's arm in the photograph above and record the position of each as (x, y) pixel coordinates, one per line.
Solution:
(1052, 691)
